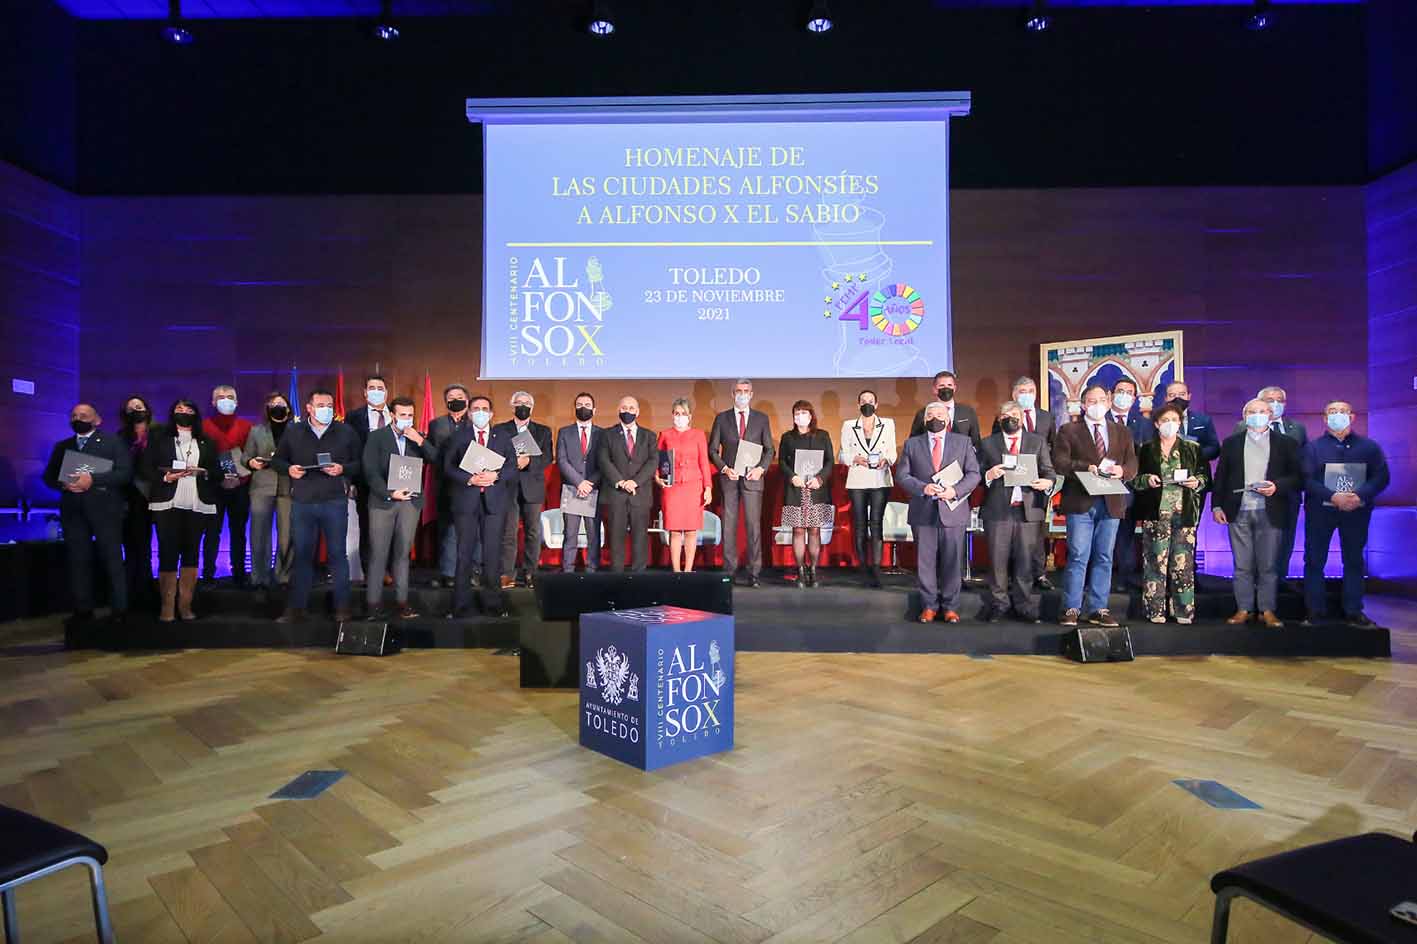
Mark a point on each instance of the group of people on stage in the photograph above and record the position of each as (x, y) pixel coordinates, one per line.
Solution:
(185, 477)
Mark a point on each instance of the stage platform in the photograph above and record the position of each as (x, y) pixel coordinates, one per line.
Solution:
(841, 615)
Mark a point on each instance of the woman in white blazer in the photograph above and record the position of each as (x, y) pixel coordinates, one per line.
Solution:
(868, 450)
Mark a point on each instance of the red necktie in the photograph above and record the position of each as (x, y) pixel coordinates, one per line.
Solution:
(380, 424)
(585, 441)
(742, 426)
(1097, 440)
(1013, 445)
(937, 451)
(629, 442)
(949, 420)
(1028, 420)
(482, 437)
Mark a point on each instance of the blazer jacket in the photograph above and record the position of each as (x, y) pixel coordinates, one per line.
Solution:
(617, 464)
(723, 443)
(998, 495)
(966, 423)
(1148, 500)
(1074, 451)
(381, 445)
(1201, 429)
(532, 479)
(576, 468)
(855, 442)
(1284, 470)
(162, 450)
(915, 469)
(107, 486)
(265, 482)
(498, 494)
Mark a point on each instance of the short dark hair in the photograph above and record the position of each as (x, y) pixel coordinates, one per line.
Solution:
(276, 395)
(866, 391)
(378, 377)
(318, 392)
(1168, 408)
(477, 396)
(123, 413)
(945, 373)
(805, 405)
(451, 387)
(587, 395)
(1124, 380)
(1091, 387)
(401, 401)
(183, 401)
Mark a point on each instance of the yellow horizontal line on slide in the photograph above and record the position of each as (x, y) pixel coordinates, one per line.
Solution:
(771, 242)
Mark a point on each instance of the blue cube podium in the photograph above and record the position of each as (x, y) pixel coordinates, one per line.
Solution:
(656, 684)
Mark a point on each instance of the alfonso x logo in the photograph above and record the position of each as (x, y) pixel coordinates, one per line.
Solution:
(561, 315)
(690, 694)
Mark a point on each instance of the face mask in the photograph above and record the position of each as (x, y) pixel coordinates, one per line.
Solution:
(1338, 422)
(681, 423)
(1169, 429)
(226, 406)
(278, 414)
(1180, 403)
(480, 418)
(1009, 425)
(184, 420)
(627, 417)
(1122, 402)
(741, 400)
(375, 397)
(946, 394)
(403, 422)
(522, 412)
(1256, 421)
(584, 413)
(1276, 407)
(868, 409)
(324, 415)
(457, 406)
(935, 425)
(802, 419)
(137, 416)
(1025, 400)
(1097, 412)
(82, 427)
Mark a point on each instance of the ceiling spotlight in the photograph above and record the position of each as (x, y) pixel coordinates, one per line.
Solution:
(1259, 18)
(175, 32)
(1038, 19)
(819, 20)
(601, 22)
(386, 29)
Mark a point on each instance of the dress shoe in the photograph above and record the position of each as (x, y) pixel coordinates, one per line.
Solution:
(343, 615)
(927, 616)
(1269, 619)
(754, 582)
(407, 612)
(291, 616)
(509, 583)
(1240, 618)
(1360, 621)
(1070, 618)
(376, 615)
(530, 583)
(811, 575)
(995, 615)
(1104, 619)
(950, 616)
(1043, 583)
(388, 580)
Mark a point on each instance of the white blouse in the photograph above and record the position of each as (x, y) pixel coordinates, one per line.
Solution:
(855, 442)
(186, 497)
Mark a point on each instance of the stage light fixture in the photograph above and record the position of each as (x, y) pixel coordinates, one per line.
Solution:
(601, 22)
(1038, 19)
(819, 20)
(1260, 17)
(174, 32)
(386, 29)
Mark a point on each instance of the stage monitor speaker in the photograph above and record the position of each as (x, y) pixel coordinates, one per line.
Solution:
(1098, 644)
(366, 639)
(567, 596)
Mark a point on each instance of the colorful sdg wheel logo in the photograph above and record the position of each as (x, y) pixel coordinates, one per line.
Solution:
(897, 310)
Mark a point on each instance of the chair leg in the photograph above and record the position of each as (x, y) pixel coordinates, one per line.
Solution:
(100, 905)
(1220, 923)
(12, 919)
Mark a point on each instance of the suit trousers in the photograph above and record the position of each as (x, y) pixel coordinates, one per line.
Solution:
(752, 507)
(939, 556)
(479, 530)
(95, 527)
(571, 542)
(1012, 543)
(392, 526)
(529, 513)
(234, 506)
(264, 510)
(624, 514)
(1253, 543)
(138, 551)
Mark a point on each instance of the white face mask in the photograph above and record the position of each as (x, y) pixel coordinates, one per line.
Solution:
(480, 418)
(741, 400)
(403, 422)
(376, 397)
(1122, 402)
(681, 423)
(1025, 400)
(1276, 408)
(225, 406)
(802, 419)
(1097, 412)
(1169, 429)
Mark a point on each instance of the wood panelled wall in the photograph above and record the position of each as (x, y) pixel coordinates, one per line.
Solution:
(39, 327)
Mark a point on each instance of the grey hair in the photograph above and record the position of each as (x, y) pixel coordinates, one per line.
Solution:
(1263, 391)
(678, 402)
(741, 381)
(1020, 381)
(219, 388)
(522, 393)
(1261, 401)
(1008, 405)
(936, 403)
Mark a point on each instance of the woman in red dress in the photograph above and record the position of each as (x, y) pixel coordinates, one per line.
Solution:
(683, 502)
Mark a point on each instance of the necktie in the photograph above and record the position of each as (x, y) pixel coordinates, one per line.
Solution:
(1277, 426)
(1098, 441)
(482, 437)
(742, 426)
(937, 451)
(379, 424)
(1028, 420)
(585, 442)
(629, 442)
(1013, 445)
(949, 420)
(1015, 497)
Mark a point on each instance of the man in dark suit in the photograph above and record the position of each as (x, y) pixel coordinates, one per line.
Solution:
(527, 495)
(394, 507)
(628, 458)
(938, 514)
(371, 415)
(959, 417)
(577, 450)
(1258, 470)
(480, 503)
(1013, 516)
(441, 432)
(1097, 446)
(1278, 399)
(1043, 422)
(1124, 412)
(91, 510)
(1197, 427)
(729, 428)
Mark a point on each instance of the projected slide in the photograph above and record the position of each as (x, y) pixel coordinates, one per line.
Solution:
(779, 248)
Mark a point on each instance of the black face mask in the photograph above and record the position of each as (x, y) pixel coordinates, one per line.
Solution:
(137, 416)
(868, 409)
(81, 427)
(522, 412)
(935, 426)
(627, 418)
(945, 393)
(184, 420)
(1180, 403)
(457, 406)
(278, 414)
(584, 413)
(1009, 425)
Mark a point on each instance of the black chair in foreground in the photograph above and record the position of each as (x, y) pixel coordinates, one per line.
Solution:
(1341, 890)
(32, 848)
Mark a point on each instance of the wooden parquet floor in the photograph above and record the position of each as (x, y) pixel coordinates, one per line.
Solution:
(870, 798)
